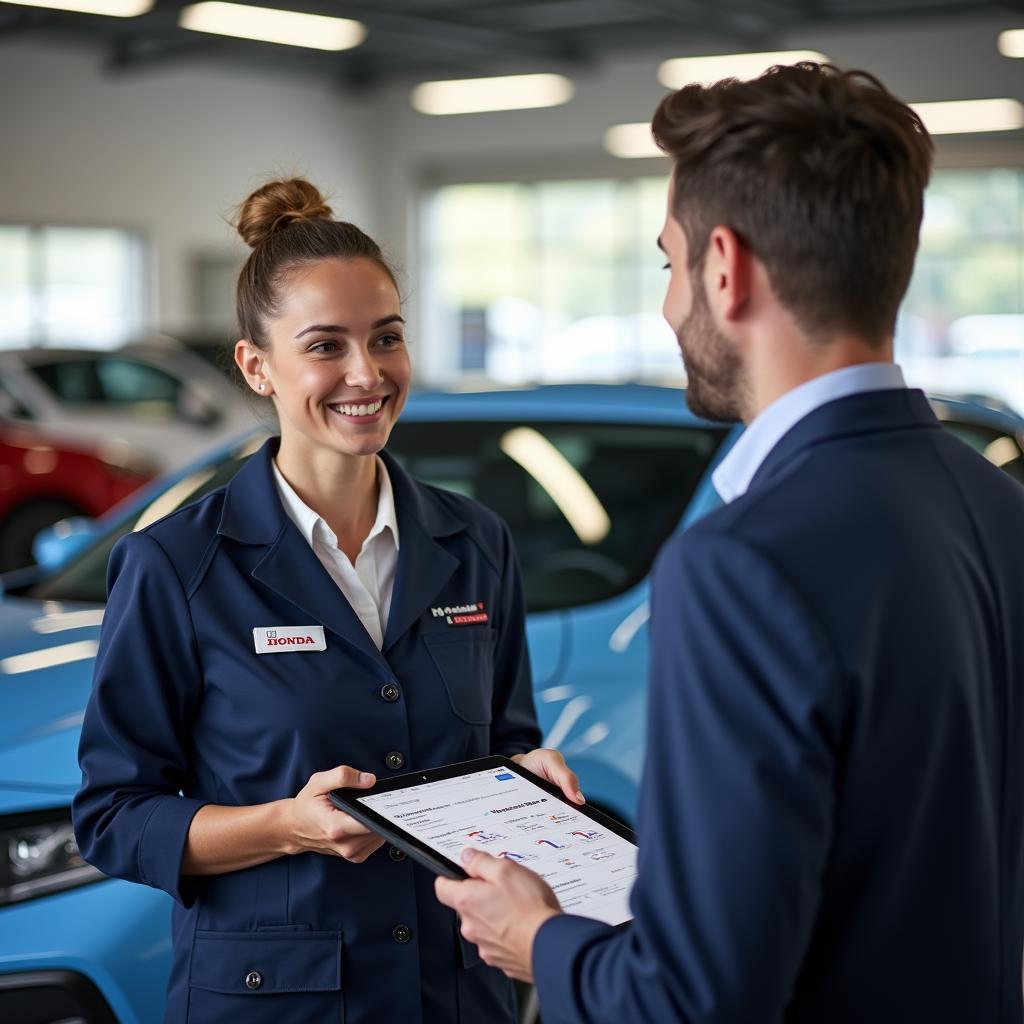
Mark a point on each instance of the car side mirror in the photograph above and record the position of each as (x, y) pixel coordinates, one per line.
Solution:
(58, 544)
(195, 408)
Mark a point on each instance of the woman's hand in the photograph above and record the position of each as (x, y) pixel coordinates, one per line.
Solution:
(549, 764)
(314, 823)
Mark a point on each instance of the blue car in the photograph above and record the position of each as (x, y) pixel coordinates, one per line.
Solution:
(591, 479)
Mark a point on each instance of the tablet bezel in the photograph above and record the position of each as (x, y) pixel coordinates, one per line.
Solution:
(347, 800)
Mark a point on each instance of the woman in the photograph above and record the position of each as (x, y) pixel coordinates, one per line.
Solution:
(280, 638)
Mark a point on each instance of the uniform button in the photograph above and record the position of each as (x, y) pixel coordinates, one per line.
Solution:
(401, 933)
(390, 692)
(253, 979)
(394, 760)
(396, 854)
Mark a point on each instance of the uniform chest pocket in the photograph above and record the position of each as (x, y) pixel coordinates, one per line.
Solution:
(266, 977)
(465, 662)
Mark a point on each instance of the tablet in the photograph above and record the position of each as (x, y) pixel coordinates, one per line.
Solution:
(492, 804)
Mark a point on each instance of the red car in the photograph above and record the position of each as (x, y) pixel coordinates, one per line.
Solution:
(42, 481)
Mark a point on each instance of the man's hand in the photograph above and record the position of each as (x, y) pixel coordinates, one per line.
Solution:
(502, 906)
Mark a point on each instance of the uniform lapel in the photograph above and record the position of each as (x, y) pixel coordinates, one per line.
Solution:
(291, 569)
(253, 514)
(424, 565)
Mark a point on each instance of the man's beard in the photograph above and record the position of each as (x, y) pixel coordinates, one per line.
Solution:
(716, 384)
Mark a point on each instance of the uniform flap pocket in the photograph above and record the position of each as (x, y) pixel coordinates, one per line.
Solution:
(465, 661)
(255, 963)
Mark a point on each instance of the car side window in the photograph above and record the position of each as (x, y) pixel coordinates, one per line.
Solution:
(998, 446)
(588, 504)
(71, 380)
(129, 382)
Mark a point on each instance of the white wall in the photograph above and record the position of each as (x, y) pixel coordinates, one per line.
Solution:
(168, 152)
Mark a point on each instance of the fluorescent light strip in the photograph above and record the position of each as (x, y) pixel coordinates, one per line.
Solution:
(49, 657)
(267, 25)
(561, 479)
(631, 141)
(1011, 42)
(954, 117)
(505, 92)
(682, 71)
(108, 8)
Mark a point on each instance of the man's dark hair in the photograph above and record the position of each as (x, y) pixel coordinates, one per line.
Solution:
(820, 172)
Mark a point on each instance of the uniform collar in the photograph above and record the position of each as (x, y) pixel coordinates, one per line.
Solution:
(740, 465)
(311, 524)
(254, 514)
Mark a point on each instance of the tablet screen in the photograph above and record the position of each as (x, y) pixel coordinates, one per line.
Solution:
(590, 868)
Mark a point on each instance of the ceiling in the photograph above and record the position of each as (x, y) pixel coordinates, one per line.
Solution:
(418, 39)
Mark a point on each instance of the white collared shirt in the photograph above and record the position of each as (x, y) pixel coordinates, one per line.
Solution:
(368, 584)
(733, 475)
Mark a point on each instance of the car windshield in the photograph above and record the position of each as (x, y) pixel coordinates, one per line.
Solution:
(589, 504)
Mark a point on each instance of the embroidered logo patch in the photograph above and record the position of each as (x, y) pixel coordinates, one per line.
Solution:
(461, 614)
(280, 639)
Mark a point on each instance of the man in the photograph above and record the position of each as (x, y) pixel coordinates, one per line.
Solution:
(831, 814)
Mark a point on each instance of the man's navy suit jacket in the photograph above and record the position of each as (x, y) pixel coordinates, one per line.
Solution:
(832, 807)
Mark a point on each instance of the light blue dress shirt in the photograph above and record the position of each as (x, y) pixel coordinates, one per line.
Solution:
(733, 475)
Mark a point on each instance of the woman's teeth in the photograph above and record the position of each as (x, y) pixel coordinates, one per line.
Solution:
(360, 410)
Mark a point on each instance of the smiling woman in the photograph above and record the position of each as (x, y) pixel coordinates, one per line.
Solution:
(279, 640)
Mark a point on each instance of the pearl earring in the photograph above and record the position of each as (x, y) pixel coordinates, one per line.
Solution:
(261, 387)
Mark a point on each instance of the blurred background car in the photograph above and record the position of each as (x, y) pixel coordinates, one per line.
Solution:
(591, 479)
(44, 479)
(157, 397)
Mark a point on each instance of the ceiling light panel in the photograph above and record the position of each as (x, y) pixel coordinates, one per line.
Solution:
(109, 8)
(268, 25)
(631, 141)
(680, 71)
(954, 117)
(506, 92)
(1011, 42)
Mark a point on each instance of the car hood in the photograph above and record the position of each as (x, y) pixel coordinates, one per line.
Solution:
(46, 660)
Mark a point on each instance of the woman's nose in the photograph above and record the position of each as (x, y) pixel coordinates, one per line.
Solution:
(363, 370)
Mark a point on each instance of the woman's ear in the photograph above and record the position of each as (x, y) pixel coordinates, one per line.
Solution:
(251, 361)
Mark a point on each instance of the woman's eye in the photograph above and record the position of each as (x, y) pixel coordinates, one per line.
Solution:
(323, 347)
(390, 340)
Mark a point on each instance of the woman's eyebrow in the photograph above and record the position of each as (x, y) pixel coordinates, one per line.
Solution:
(339, 329)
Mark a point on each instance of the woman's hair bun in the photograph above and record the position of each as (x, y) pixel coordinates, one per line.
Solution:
(277, 204)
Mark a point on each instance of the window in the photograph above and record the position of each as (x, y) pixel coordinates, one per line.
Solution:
(61, 285)
(961, 329)
(588, 504)
(629, 485)
(560, 280)
(546, 281)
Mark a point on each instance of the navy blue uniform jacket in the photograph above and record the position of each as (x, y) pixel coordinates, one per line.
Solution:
(184, 712)
(831, 812)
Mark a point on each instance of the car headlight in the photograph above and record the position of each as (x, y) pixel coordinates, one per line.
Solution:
(39, 855)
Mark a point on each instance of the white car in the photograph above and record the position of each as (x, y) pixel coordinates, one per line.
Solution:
(165, 402)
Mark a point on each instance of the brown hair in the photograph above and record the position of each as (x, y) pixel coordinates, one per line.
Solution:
(288, 224)
(820, 172)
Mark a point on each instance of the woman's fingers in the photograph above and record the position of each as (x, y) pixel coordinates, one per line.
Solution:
(342, 777)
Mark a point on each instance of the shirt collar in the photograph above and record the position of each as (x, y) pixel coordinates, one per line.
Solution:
(312, 525)
(733, 475)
